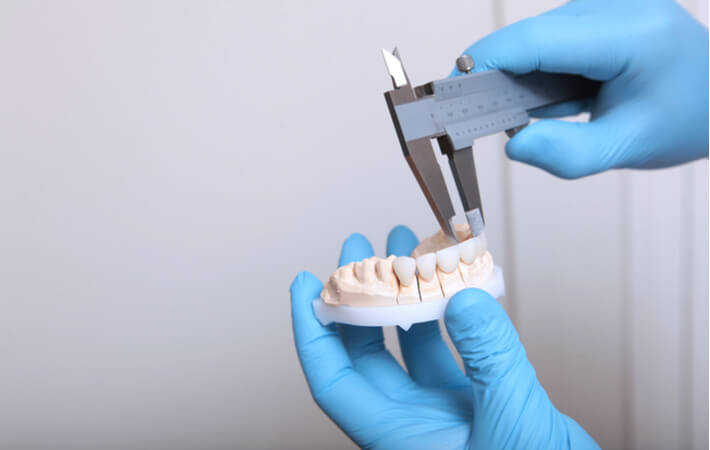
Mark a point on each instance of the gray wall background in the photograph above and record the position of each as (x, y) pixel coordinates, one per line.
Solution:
(167, 167)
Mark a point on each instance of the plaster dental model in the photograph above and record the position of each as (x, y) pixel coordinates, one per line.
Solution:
(409, 289)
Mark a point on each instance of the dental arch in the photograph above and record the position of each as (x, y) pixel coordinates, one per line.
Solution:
(435, 270)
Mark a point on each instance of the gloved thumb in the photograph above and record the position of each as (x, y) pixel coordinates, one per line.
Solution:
(511, 408)
(484, 337)
(566, 149)
(561, 41)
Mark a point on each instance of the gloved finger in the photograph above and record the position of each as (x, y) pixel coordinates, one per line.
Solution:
(564, 109)
(428, 359)
(366, 345)
(401, 241)
(375, 363)
(503, 382)
(342, 393)
(566, 149)
(483, 335)
(553, 43)
(355, 248)
(572, 8)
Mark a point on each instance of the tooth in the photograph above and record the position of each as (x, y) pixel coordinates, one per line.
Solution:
(467, 249)
(481, 244)
(448, 259)
(346, 272)
(404, 267)
(383, 269)
(426, 265)
(365, 271)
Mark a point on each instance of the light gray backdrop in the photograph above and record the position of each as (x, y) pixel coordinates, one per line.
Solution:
(166, 168)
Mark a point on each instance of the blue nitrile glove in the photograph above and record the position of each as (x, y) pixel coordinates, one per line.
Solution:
(497, 404)
(652, 109)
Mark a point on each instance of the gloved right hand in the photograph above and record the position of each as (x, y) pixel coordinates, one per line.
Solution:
(652, 109)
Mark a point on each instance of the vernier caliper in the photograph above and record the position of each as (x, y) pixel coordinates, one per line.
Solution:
(455, 111)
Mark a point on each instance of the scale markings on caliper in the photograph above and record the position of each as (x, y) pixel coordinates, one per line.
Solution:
(484, 103)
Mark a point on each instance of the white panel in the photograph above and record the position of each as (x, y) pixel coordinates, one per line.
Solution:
(656, 287)
(696, 189)
(569, 273)
(668, 256)
(698, 386)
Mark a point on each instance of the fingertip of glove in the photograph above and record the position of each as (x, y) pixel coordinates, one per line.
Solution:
(401, 241)
(355, 248)
(469, 303)
(525, 144)
(305, 285)
(399, 231)
(551, 146)
(356, 239)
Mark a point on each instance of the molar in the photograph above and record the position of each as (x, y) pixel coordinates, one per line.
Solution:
(363, 283)
(448, 259)
(346, 272)
(365, 270)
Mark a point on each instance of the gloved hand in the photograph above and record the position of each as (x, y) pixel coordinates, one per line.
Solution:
(498, 403)
(652, 109)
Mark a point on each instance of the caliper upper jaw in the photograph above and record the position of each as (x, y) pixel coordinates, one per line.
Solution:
(419, 153)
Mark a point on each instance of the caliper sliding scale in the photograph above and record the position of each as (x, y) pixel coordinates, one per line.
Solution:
(455, 111)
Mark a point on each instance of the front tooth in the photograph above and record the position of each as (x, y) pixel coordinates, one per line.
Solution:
(365, 271)
(467, 249)
(448, 259)
(426, 264)
(404, 267)
(383, 269)
(481, 244)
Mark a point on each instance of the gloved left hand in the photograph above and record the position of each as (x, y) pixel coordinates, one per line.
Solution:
(498, 403)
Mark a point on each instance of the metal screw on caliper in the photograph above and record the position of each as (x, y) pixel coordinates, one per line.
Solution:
(465, 63)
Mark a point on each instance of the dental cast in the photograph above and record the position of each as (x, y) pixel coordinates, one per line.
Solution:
(436, 270)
